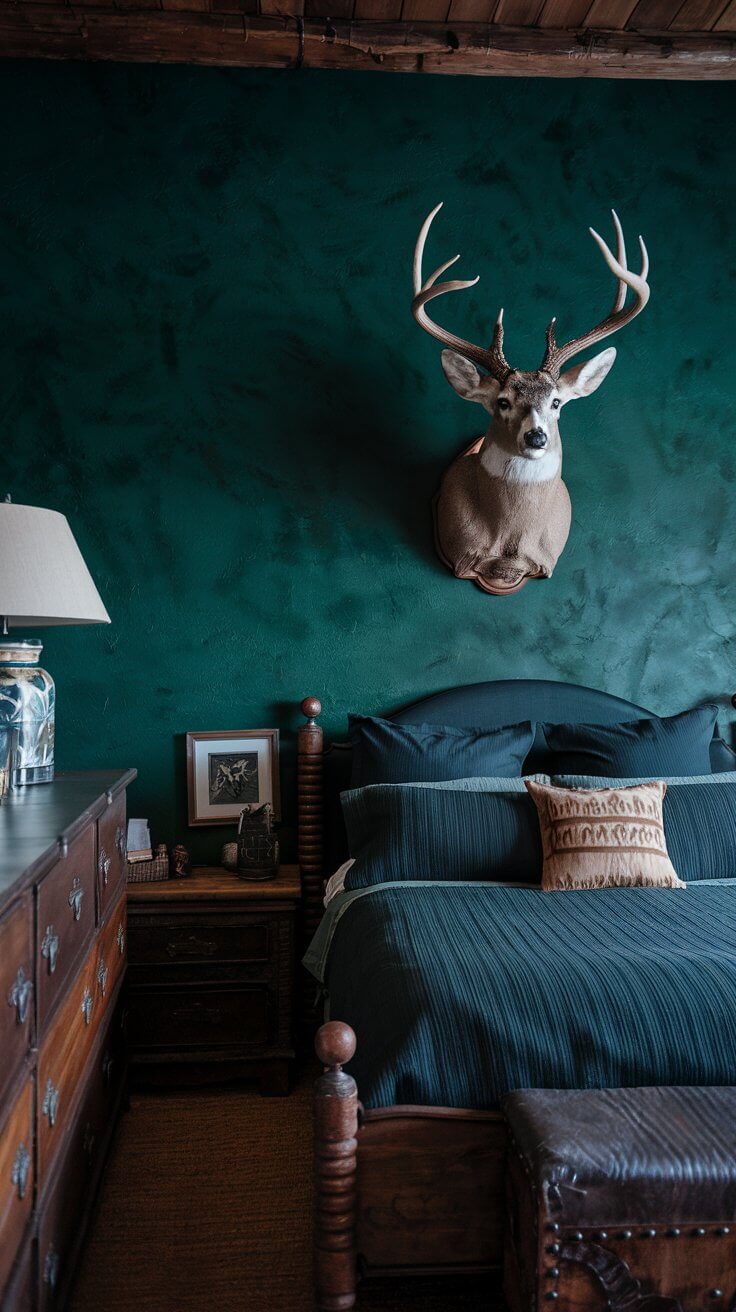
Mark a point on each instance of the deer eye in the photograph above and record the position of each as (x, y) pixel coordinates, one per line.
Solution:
(556, 403)
(503, 404)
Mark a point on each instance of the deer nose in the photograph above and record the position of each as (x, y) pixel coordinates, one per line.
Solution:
(536, 438)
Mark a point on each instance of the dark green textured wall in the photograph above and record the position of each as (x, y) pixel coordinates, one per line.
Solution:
(209, 364)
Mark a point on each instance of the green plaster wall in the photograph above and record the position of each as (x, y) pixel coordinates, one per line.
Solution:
(209, 365)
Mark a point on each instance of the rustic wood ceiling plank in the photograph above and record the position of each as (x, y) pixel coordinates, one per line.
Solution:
(563, 14)
(202, 6)
(698, 15)
(727, 20)
(613, 15)
(518, 13)
(328, 9)
(164, 36)
(227, 6)
(654, 15)
(377, 11)
(277, 8)
(471, 11)
(425, 11)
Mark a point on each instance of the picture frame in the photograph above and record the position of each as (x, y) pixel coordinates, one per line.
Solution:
(228, 768)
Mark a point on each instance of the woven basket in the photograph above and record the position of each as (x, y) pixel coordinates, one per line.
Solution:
(148, 872)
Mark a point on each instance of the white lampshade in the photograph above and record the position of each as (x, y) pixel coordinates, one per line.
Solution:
(43, 578)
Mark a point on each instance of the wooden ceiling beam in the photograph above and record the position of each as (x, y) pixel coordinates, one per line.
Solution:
(165, 36)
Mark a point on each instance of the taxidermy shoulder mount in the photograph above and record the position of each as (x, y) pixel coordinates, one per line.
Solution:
(502, 514)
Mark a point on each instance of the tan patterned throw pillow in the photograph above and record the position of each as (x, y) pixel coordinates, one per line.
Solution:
(603, 837)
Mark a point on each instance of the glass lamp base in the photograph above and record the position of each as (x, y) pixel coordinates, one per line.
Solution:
(27, 705)
(33, 774)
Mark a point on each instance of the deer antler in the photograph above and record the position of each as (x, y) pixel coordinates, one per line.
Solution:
(555, 356)
(492, 358)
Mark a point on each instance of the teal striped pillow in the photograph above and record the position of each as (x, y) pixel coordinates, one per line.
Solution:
(403, 832)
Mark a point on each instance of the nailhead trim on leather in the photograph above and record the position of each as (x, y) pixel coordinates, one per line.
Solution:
(650, 1232)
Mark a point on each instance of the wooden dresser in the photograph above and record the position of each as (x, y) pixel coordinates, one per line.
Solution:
(212, 970)
(62, 1050)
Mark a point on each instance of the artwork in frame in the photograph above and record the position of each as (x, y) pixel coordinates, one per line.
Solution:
(226, 770)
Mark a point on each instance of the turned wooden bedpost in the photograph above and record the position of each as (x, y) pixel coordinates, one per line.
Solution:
(335, 1159)
(309, 846)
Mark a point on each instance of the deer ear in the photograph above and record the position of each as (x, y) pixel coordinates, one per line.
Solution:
(586, 377)
(464, 377)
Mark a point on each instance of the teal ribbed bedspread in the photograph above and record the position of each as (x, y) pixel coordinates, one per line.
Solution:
(459, 993)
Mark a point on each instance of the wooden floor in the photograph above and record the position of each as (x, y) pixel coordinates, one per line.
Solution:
(206, 1208)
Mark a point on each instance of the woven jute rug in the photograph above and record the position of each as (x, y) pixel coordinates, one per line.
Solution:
(206, 1204)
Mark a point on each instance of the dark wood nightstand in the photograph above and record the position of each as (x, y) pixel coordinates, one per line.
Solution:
(211, 978)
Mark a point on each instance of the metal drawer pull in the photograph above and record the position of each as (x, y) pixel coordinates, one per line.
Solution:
(20, 995)
(87, 1006)
(121, 938)
(50, 948)
(50, 1104)
(19, 1175)
(108, 1064)
(75, 897)
(120, 841)
(102, 976)
(51, 1267)
(104, 866)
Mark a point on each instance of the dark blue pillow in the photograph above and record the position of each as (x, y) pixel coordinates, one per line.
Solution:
(700, 830)
(388, 753)
(397, 832)
(652, 748)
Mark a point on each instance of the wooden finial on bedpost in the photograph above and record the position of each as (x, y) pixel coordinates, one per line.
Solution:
(309, 846)
(335, 1155)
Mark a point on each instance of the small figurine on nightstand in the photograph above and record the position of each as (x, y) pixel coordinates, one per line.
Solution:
(229, 856)
(258, 846)
(180, 857)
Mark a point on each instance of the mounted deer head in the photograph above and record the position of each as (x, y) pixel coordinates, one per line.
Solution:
(502, 514)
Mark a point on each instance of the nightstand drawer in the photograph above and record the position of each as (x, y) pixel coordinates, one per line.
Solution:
(211, 976)
(202, 941)
(66, 920)
(199, 1018)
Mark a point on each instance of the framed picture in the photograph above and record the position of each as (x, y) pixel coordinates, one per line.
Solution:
(225, 770)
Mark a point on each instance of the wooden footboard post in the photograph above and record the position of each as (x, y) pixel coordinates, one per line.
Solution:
(335, 1159)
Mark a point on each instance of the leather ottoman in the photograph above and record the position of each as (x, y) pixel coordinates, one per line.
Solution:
(623, 1199)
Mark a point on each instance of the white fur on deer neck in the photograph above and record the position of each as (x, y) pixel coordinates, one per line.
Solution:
(517, 469)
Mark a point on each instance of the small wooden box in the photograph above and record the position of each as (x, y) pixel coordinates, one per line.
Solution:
(211, 976)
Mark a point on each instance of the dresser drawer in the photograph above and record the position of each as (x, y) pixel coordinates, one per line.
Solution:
(16, 988)
(199, 1018)
(66, 1047)
(61, 1213)
(16, 1176)
(66, 920)
(18, 1296)
(111, 836)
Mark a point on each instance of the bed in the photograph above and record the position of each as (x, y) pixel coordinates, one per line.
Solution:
(413, 1182)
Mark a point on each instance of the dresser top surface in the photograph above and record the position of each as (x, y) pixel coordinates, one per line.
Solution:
(34, 818)
(208, 882)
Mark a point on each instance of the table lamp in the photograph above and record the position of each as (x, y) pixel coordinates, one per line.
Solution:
(43, 581)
